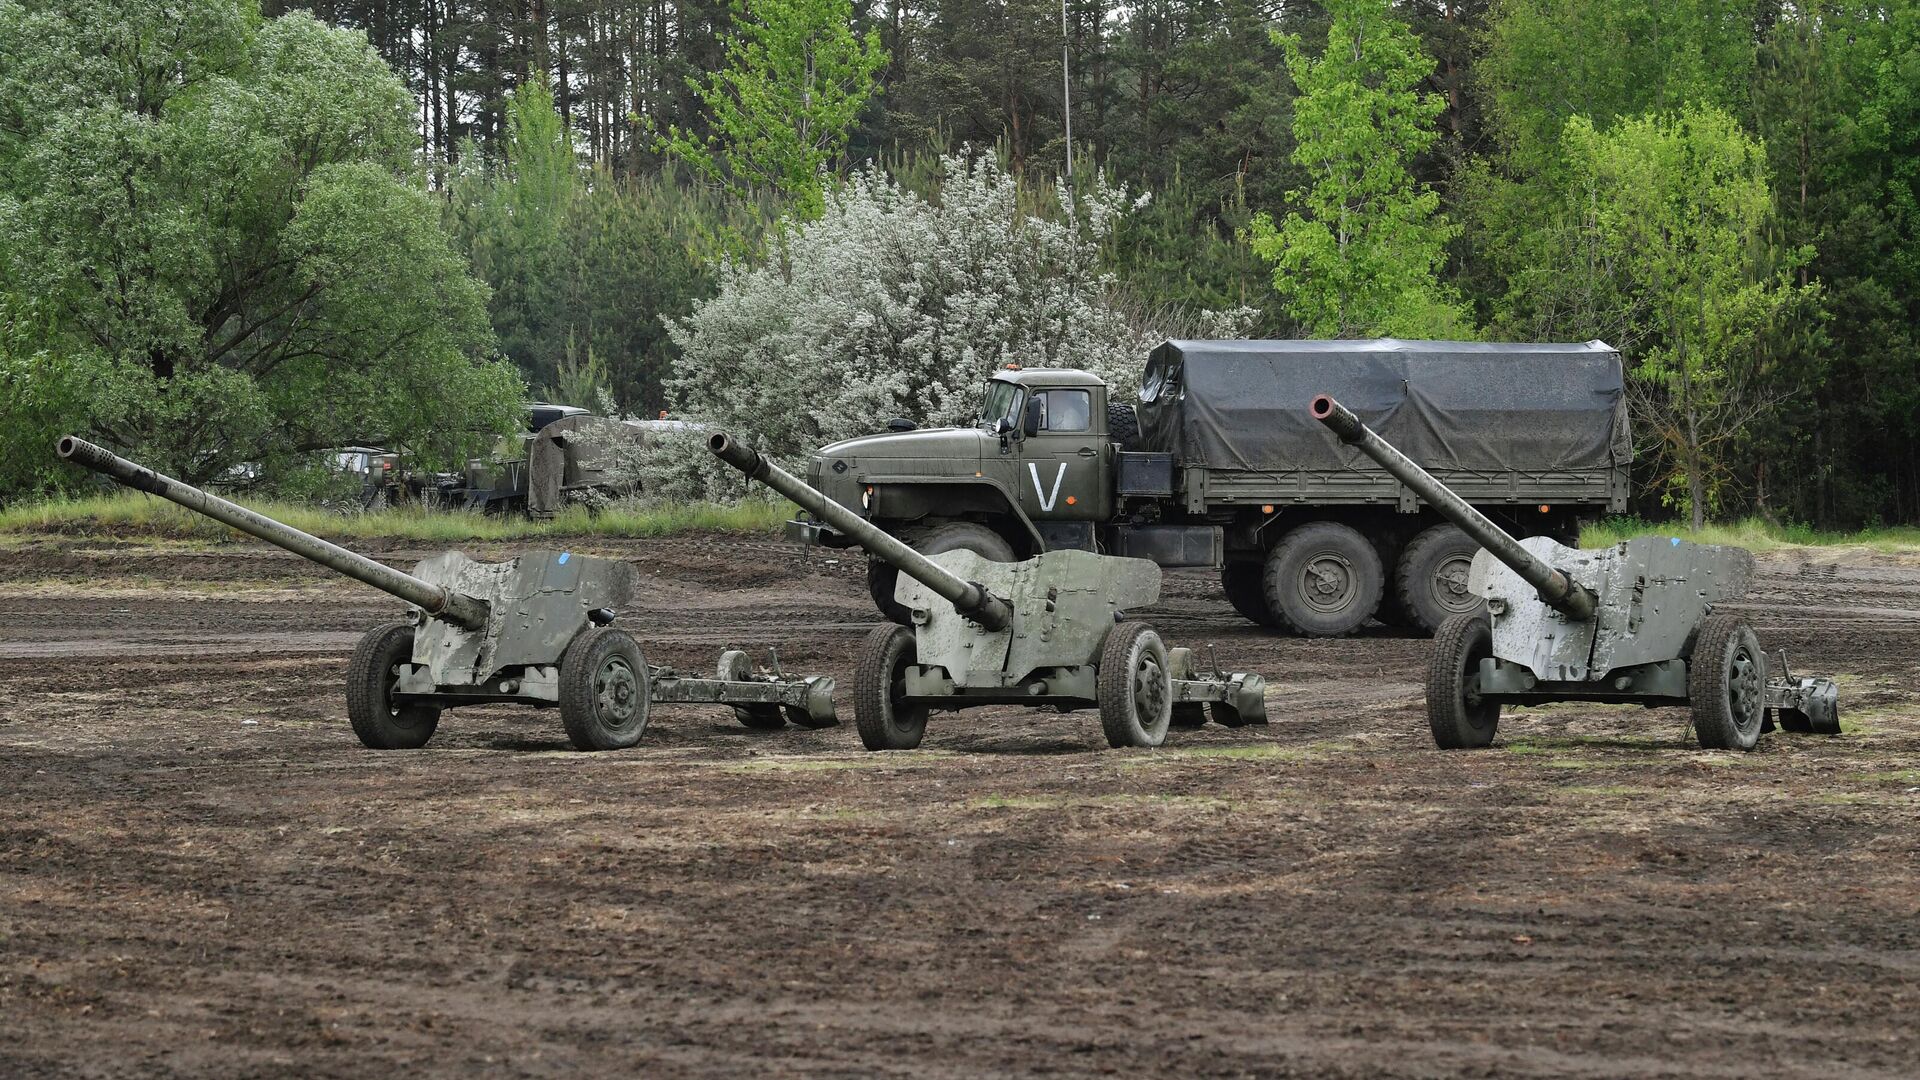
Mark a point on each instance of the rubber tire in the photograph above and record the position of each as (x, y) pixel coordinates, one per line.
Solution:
(1123, 426)
(1130, 646)
(370, 679)
(1458, 723)
(1419, 567)
(1288, 561)
(883, 723)
(760, 717)
(592, 650)
(1720, 688)
(953, 536)
(1245, 586)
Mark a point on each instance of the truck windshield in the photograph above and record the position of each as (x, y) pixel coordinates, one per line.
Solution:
(999, 404)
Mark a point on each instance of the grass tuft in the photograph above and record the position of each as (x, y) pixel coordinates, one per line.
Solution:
(1753, 534)
(129, 515)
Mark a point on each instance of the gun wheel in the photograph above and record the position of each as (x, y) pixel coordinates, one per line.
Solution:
(879, 683)
(1727, 684)
(379, 721)
(1459, 718)
(605, 694)
(1134, 687)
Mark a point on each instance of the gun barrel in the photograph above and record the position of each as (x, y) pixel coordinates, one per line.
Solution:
(967, 597)
(430, 598)
(1557, 589)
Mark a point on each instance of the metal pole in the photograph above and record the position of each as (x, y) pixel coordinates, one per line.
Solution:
(1066, 85)
(428, 597)
(1557, 589)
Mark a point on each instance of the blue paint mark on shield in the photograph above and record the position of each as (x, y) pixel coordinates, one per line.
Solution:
(1675, 541)
(565, 555)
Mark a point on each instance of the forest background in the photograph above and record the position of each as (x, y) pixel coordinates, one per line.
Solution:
(234, 233)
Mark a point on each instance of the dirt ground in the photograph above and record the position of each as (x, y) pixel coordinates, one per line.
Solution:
(202, 873)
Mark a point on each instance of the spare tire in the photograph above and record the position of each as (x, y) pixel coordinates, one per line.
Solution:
(1123, 426)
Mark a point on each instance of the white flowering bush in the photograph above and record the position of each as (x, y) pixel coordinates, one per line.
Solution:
(892, 305)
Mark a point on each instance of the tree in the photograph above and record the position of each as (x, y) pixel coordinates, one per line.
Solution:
(890, 304)
(1679, 204)
(780, 111)
(228, 257)
(583, 262)
(1364, 258)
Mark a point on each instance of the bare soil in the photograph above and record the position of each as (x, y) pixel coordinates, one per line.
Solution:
(202, 873)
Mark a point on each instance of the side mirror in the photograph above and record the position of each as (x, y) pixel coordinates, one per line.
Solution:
(1036, 408)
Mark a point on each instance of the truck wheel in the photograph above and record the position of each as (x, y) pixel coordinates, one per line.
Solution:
(972, 536)
(1134, 687)
(377, 720)
(884, 721)
(1727, 684)
(1431, 578)
(1323, 580)
(1245, 586)
(605, 694)
(1459, 719)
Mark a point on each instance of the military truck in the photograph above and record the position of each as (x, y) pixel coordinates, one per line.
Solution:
(1216, 465)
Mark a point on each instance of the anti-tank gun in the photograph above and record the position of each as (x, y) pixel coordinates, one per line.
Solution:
(1049, 631)
(533, 630)
(1634, 623)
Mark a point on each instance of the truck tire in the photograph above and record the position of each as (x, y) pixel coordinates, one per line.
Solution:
(1323, 579)
(1430, 579)
(1727, 684)
(1123, 426)
(974, 537)
(379, 722)
(884, 721)
(1134, 687)
(1245, 586)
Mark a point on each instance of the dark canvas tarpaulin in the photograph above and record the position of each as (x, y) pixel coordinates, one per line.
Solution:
(1449, 405)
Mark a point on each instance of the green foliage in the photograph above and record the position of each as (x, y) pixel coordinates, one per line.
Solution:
(1364, 257)
(129, 516)
(584, 263)
(1755, 534)
(1678, 205)
(226, 259)
(781, 110)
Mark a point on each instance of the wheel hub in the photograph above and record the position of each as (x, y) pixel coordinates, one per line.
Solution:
(616, 691)
(1745, 692)
(1149, 690)
(1327, 582)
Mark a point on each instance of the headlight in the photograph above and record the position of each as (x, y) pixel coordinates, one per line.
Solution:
(866, 498)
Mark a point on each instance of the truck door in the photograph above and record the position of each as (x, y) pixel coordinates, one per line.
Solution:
(1062, 476)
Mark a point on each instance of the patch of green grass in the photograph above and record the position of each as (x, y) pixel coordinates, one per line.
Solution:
(133, 515)
(1751, 533)
(780, 764)
(1062, 802)
(1896, 776)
